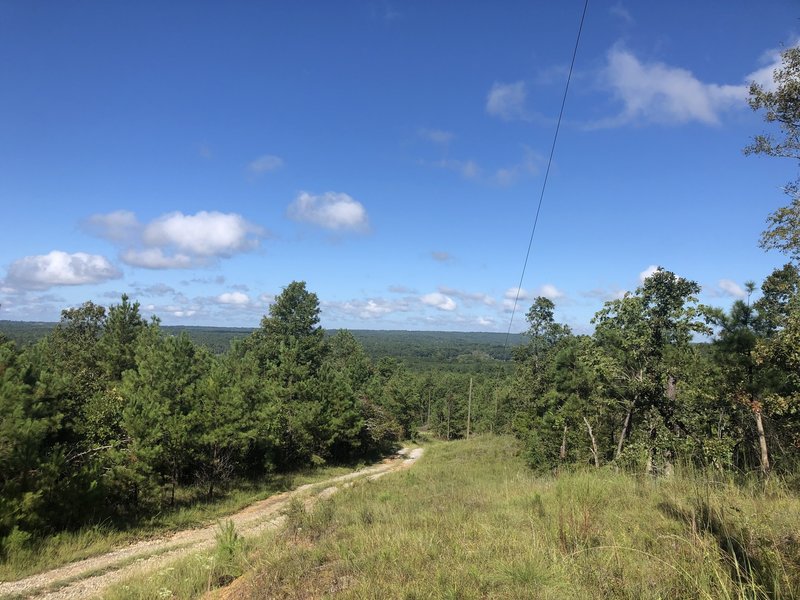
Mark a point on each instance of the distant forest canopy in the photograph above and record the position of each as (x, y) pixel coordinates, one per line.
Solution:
(419, 350)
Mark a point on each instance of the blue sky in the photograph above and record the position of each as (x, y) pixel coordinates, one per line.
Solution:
(201, 155)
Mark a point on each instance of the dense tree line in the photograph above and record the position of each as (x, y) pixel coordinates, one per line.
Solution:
(641, 391)
(107, 416)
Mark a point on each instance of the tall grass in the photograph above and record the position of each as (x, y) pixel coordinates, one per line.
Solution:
(470, 520)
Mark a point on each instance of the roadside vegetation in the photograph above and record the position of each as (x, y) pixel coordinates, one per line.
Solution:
(471, 520)
(33, 555)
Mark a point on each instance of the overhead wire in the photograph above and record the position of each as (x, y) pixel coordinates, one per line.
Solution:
(546, 176)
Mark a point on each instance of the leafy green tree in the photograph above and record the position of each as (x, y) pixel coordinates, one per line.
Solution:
(71, 358)
(290, 337)
(781, 106)
(347, 355)
(27, 424)
(222, 426)
(533, 377)
(117, 344)
(161, 398)
(642, 334)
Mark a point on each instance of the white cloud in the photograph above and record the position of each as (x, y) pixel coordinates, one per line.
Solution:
(437, 136)
(467, 297)
(507, 101)
(265, 164)
(548, 290)
(59, 268)
(618, 10)
(605, 294)
(731, 288)
(117, 226)
(371, 308)
(176, 240)
(647, 272)
(551, 292)
(765, 75)
(658, 93)
(154, 258)
(204, 234)
(485, 321)
(331, 210)
(529, 165)
(235, 298)
(515, 292)
(439, 300)
(468, 169)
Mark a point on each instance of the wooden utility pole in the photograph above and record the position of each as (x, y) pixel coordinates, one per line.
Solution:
(469, 407)
(428, 422)
(448, 417)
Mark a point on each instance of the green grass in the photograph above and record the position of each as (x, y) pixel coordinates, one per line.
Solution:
(470, 520)
(40, 555)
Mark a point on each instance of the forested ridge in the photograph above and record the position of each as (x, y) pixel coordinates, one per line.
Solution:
(416, 349)
(105, 417)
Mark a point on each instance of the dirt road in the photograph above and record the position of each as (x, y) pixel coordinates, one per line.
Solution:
(89, 577)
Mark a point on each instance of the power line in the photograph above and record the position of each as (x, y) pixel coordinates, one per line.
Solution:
(546, 175)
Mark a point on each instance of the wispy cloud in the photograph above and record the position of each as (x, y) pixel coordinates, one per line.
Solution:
(265, 164)
(655, 92)
(442, 256)
(527, 166)
(604, 294)
(437, 136)
(401, 289)
(507, 101)
(468, 169)
(117, 226)
(622, 13)
(369, 308)
(59, 268)
(332, 210)
(156, 289)
(547, 290)
(469, 298)
(731, 288)
(647, 272)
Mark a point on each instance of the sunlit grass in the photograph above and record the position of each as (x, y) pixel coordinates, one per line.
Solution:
(470, 520)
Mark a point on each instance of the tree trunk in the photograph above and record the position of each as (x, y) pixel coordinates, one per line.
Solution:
(672, 396)
(762, 441)
(594, 443)
(624, 431)
(649, 468)
(562, 453)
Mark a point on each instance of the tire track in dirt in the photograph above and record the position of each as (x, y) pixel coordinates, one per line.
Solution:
(89, 577)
